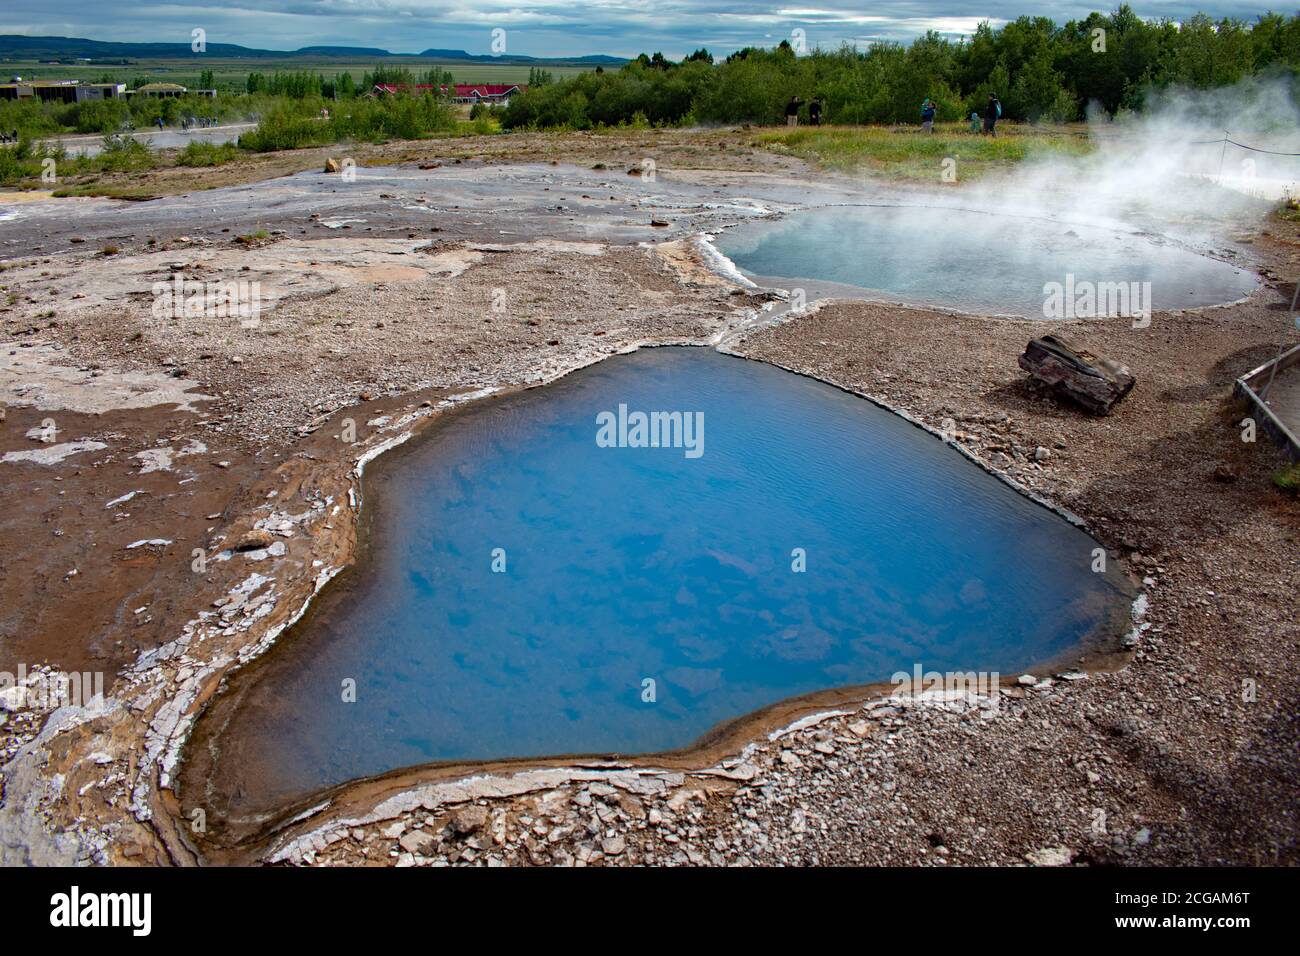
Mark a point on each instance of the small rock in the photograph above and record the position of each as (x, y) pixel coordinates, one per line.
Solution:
(13, 698)
(469, 820)
(255, 540)
(1050, 856)
(418, 842)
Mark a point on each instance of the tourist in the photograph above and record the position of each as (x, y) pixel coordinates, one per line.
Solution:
(974, 122)
(792, 111)
(815, 112)
(927, 115)
(991, 114)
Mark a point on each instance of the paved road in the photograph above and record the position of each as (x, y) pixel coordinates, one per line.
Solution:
(167, 138)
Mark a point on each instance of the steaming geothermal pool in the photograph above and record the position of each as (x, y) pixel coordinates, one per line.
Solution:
(628, 564)
(971, 261)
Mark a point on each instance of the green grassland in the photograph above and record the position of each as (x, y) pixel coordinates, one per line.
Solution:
(231, 74)
(906, 153)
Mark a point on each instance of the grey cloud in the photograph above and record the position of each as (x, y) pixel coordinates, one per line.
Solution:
(547, 27)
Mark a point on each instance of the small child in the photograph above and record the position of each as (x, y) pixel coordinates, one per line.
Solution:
(974, 122)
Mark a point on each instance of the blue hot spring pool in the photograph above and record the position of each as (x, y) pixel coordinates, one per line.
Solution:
(624, 565)
(972, 261)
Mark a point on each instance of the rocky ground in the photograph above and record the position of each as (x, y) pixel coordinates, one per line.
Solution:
(204, 434)
(1174, 759)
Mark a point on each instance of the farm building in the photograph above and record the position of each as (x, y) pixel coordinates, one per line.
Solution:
(490, 93)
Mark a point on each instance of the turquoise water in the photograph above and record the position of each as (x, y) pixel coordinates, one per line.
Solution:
(976, 262)
(626, 564)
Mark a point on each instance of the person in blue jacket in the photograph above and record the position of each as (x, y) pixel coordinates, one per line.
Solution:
(927, 115)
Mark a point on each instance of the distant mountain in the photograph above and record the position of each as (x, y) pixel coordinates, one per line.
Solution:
(14, 46)
(338, 51)
(18, 47)
(593, 59)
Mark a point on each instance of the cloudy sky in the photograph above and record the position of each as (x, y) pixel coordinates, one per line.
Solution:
(550, 27)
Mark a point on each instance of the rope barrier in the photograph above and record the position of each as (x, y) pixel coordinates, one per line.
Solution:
(1253, 149)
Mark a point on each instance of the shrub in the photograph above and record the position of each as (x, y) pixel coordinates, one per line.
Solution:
(1288, 479)
(198, 153)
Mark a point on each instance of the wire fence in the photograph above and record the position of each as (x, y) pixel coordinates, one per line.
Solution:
(1227, 140)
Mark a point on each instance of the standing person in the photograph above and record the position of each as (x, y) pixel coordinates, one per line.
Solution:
(991, 114)
(974, 122)
(792, 111)
(815, 111)
(927, 115)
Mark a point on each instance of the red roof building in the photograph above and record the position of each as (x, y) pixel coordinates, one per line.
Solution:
(462, 92)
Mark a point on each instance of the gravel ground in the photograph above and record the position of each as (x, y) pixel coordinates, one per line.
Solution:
(1186, 754)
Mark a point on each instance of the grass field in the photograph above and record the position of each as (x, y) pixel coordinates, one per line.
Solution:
(232, 74)
(904, 152)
